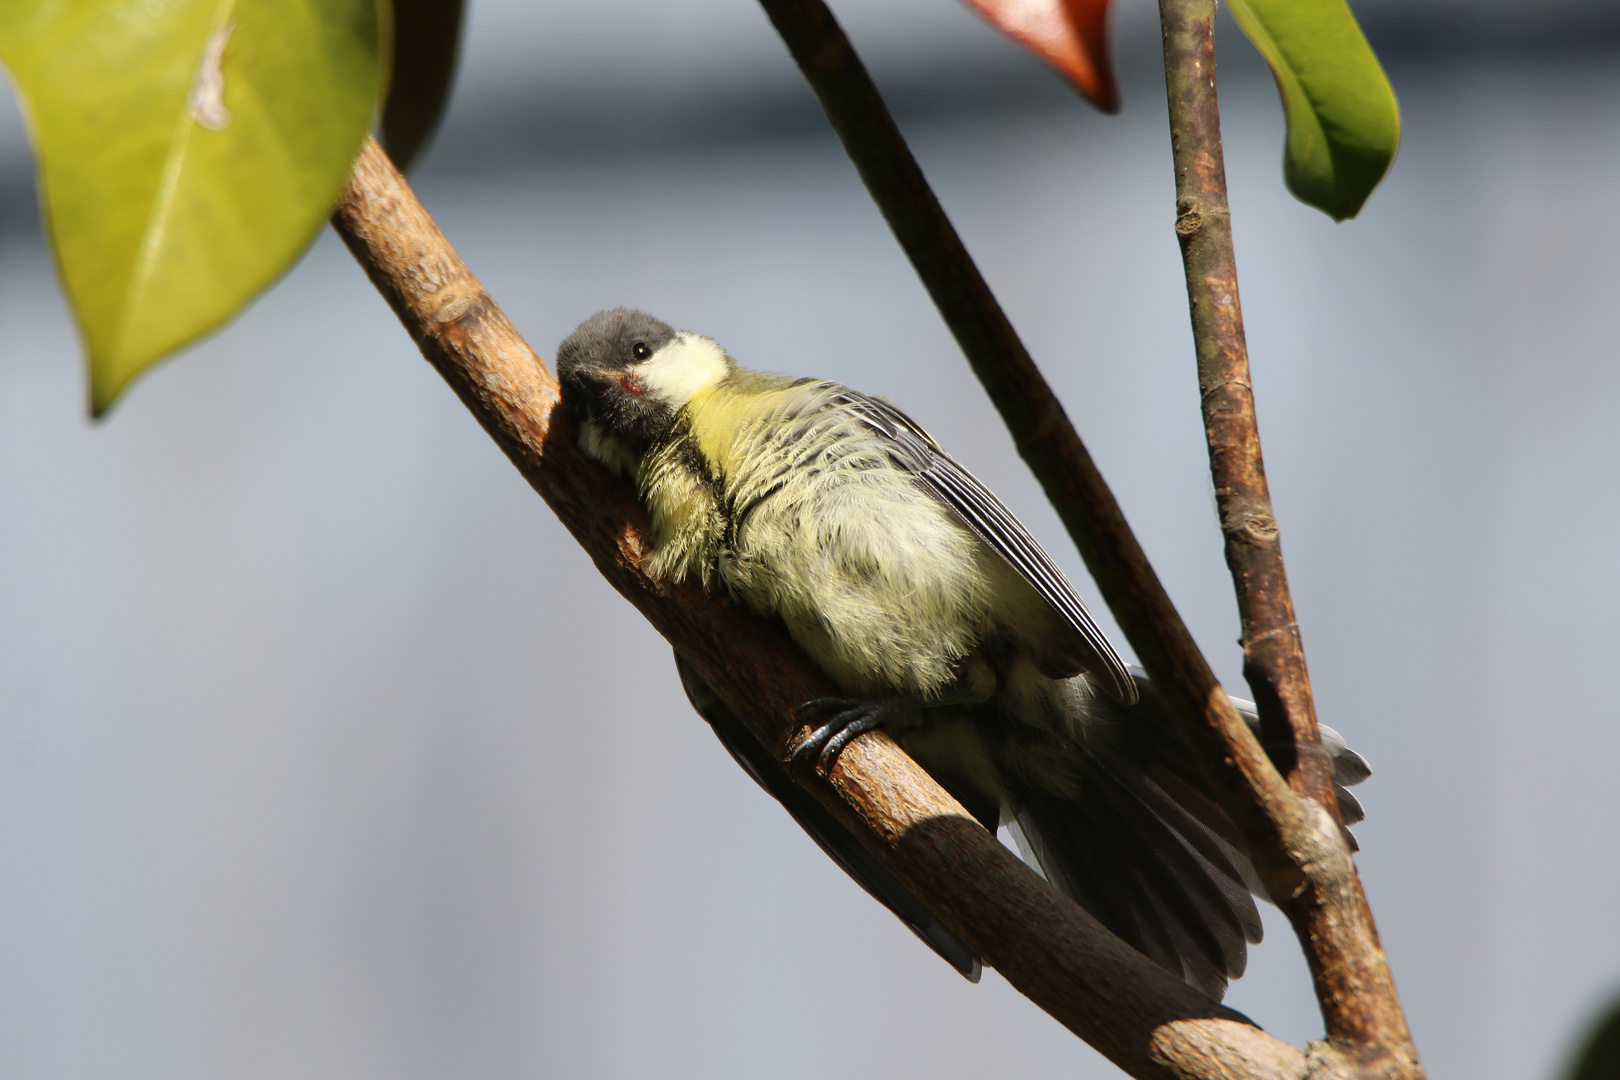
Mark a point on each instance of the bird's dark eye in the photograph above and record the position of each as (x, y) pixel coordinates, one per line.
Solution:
(640, 351)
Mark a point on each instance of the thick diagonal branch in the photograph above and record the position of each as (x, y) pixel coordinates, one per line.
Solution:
(1149, 1023)
(1332, 918)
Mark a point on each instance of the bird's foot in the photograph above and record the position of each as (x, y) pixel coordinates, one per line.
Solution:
(846, 718)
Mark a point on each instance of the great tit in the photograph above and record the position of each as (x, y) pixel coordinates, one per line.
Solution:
(937, 616)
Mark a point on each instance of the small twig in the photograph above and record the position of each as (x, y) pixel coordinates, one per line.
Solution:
(1148, 1022)
(1360, 1007)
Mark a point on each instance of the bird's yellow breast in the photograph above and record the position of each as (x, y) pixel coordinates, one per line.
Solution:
(683, 482)
(878, 582)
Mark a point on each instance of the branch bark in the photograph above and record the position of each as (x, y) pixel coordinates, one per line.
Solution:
(1293, 830)
(1354, 986)
(1149, 1023)
(1273, 653)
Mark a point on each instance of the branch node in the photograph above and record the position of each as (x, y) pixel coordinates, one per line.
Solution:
(1240, 382)
(1289, 627)
(1249, 520)
(455, 309)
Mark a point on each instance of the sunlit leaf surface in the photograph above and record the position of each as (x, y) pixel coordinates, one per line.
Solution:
(1343, 121)
(1071, 35)
(188, 151)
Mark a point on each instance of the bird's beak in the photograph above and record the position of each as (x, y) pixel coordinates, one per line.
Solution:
(592, 377)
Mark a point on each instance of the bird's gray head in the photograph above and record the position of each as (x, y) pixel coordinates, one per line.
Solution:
(626, 375)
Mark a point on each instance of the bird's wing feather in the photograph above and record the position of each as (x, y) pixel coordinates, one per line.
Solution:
(937, 473)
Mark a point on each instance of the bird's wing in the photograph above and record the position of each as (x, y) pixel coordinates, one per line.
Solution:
(826, 830)
(937, 473)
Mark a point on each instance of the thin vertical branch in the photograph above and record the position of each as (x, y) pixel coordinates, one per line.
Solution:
(1360, 1006)
(1273, 653)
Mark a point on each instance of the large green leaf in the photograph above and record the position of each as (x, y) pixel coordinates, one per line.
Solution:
(1343, 122)
(188, 152)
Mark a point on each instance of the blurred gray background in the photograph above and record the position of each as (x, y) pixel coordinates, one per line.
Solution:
(324, 752)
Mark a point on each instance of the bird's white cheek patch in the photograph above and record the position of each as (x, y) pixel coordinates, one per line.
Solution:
(683, 369)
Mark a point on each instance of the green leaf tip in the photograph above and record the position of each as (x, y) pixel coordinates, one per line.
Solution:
(188, 153)
(1344, 123)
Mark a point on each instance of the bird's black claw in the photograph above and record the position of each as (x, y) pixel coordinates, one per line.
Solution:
(866, 721)
(849, 718)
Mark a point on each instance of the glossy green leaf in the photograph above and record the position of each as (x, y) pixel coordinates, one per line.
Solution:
(427, 38)
(1343, 121)
(188, 152)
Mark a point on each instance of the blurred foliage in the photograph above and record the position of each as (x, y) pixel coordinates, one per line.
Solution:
(1343, 121)
(427, 41)
(1071, 35)
(1599, 1056)
(188, 152)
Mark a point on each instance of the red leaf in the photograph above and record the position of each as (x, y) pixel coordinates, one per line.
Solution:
(1071, 35)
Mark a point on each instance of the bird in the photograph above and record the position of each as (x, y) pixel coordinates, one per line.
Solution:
(938, 617)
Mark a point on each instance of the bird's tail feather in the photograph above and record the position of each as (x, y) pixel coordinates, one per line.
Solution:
(1147, 869)
(1136, 838)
